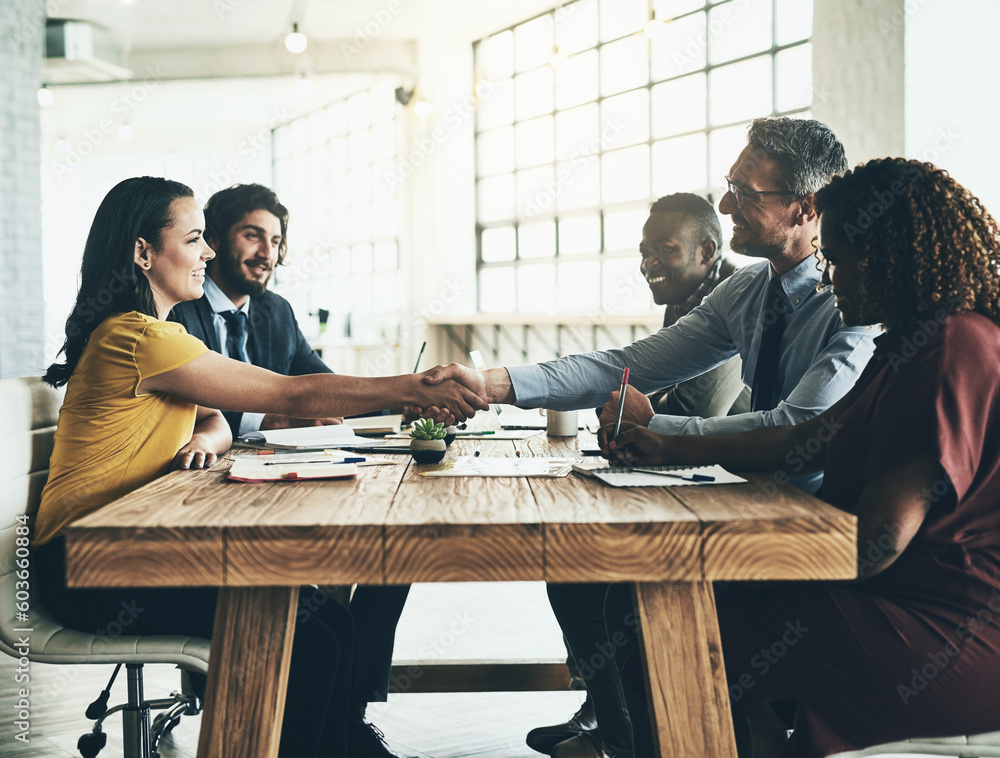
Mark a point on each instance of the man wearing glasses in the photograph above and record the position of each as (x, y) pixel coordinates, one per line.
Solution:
(798, 360)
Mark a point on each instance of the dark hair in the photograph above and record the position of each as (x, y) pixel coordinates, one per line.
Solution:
(925, 242)
(701, 214)
(110, 282)
(808, 151)
(228, 206)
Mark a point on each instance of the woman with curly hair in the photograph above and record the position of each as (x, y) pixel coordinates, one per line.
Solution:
(912, 647)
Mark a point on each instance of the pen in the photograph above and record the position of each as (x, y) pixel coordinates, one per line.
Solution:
(419, 355)
(692, 478)
(474, 434)
(517, 453)
(325, 460)
(621, 402)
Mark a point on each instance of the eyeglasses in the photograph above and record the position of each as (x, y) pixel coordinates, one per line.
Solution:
(741, 193)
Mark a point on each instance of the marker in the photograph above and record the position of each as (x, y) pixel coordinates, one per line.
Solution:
(419, 355)
(474, 434)
(692, 478)
(621, 403)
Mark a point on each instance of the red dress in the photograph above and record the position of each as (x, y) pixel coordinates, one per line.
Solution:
(915, 650)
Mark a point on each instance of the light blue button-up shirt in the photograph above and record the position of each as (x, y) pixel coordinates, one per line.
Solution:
(219, 300)
(820, 358)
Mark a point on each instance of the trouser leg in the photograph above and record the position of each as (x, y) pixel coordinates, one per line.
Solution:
(376, 612)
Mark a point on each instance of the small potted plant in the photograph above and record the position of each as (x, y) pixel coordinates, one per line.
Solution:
(427, 443)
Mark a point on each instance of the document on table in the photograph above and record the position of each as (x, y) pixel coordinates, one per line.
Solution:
(481, 436)
(468, 465)
(305, 438)
(621, 476)
(252, 468)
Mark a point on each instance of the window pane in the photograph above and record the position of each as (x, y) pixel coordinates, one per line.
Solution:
(360, 148)
(536, 285)
(577, 132)
(336, 116)
(496, 198)
(625, 119)
(384, 219)
(579, 287)
(386, 256)
(497, 108)
(499, 244)
(317, 128)
(383, 104)
(387, 177)
(623, 229)
(682, 49)
(361, 259)
(625, 174)
(340, 295)
(361, 224)
(282, 142)
(497, 291)
(576, 26)
(738, 28)
(361, 295)
(496, 151)
(679, 165)
(622, 286)
(795, 21)
(536, 192)
(535, 142)
(740, 91)
(576, 80)
(724, 147)
(679, 106)
(624, 64)
(496, 57)
(537, 240)
(337, 155)
(533, 93)
(359, 111)
(386, 285)
(579, 235)
(622, 17)
(359, 182)
(383, 141)
(672, 8)
(579, 185)
(793, 68)
(533, 43)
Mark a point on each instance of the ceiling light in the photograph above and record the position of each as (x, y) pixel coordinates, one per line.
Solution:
(295, 41)
(126, 133)
(45, 96)
(423, 109)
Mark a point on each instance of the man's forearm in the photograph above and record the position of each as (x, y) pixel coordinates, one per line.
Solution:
(498, 385)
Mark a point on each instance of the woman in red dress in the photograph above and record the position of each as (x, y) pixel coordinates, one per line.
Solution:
(912, 647)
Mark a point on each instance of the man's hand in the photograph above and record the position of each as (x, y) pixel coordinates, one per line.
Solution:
(637, 446)
(492, 385)
(637, 412)
(277, 421)
(197, 453)
(446, 400)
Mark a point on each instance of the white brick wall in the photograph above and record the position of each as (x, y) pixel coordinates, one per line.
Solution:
(22, 29)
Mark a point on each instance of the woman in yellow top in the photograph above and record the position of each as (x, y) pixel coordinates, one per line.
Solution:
(141, 398)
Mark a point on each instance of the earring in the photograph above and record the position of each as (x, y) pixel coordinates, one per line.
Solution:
(145, 265)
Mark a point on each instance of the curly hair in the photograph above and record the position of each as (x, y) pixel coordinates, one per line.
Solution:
(228, 206)
(925, 243)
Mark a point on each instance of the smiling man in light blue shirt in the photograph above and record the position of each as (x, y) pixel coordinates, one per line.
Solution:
(798, 358)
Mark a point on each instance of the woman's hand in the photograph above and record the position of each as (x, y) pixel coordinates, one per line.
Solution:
(197, 453)
(635, 445)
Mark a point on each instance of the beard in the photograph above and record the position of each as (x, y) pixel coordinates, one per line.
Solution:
(232, 273)
(758, 247)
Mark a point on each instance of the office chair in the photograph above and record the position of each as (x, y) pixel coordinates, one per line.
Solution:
(28, 413)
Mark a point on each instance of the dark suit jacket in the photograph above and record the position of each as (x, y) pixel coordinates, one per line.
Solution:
(274, 340)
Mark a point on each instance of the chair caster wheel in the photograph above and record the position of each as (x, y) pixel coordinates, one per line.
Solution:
(91, 743)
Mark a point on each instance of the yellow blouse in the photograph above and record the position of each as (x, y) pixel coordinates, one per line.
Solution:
(111, 440)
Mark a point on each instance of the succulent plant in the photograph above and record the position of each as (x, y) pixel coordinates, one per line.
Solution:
(426, 429)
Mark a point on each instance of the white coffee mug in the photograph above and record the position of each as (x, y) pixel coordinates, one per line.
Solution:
(561, 423)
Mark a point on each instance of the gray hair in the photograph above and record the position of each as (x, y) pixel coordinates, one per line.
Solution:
(809, 152)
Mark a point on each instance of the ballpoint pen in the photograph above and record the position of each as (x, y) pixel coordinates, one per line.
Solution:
(691, 478)
(419, 355)
(475, 434)
(321, 460)
(621, 402)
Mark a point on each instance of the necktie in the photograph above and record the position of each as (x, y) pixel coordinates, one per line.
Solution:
(764, 379)
(236, 334)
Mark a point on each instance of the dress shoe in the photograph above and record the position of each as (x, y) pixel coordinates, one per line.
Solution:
(587, 745)
(545, 738)
(366, 740)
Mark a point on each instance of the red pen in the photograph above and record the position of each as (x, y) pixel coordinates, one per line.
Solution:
(621, 402)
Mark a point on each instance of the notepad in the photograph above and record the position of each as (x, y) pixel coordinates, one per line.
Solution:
(304, 438)
(375, 425)
(621, 476)
(251, 468)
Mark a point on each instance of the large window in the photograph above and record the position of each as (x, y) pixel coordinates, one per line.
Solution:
(589, 114)
(330, 170)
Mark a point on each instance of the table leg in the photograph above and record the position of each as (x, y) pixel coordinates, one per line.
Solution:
(248, 672)
(685, 676)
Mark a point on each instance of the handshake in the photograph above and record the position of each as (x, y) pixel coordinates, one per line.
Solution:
(455, 392)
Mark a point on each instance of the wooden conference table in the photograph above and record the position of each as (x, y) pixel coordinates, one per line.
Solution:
(259, 542)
